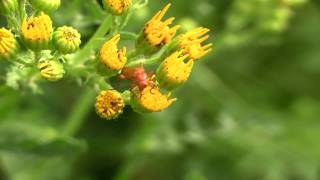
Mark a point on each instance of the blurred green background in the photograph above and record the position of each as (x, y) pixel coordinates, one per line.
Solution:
(250, 111)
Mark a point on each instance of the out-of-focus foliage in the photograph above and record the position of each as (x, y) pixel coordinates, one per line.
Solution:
(250, 111)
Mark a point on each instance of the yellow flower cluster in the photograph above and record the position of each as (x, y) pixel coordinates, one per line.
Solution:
(37, 33)
(147, 93)
(157, 45)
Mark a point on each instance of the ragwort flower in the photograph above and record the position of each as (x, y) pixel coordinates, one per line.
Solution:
(150, 99)
(110, 56)
(174, 71)
(191, 43)
(37, 32)
(157, 32)
(109, 104)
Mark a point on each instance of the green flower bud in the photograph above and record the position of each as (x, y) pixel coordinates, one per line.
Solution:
(117, 7)
(8, 44)
(66, 39)
(52, 70)
(8, 6)
(46, 5)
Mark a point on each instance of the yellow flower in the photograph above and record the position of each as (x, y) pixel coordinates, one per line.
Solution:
(8, 44)
(117, 7)
(109, 104)
(150, 99)
(174, 71)
(157, 32)
(37, 31)
(110, 56)
(191, 43)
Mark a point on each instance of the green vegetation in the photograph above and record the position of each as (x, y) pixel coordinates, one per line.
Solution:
(249, 111)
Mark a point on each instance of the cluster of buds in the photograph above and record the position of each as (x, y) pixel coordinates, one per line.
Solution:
(36, 34)
(158, 43)
(31, 40)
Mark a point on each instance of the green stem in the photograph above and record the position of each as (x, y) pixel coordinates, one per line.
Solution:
(13, 23)
(126, 20)
(94, 42)
(37, 56)
(152, 60)
(141, 5)
(22, 10)
(128, 35)
(79, 112)
(144, 61)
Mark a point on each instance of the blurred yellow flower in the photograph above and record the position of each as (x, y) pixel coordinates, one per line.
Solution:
(191, 43)
(117, 7)
(8, 43)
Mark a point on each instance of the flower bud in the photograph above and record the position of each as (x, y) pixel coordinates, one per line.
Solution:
(66, 40)
(157, 32)
(8, 44)
(117, 7)
(46, 5)
(37, 32)
(8, 6)
(51, 70)
(150, 99)
(191, 43)
(112, 58)
(174, 71)
(109, 104)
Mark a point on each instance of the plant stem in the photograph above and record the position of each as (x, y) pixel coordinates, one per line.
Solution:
(93, 43)
(79, 112)
(125, 20)
(147, 61)
(141, 5)
(22, 10)
(128, 35)
(143, 61)
(37, 56)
